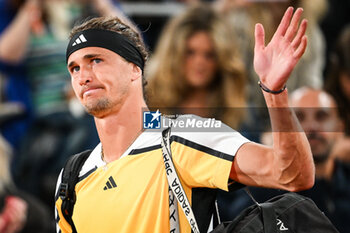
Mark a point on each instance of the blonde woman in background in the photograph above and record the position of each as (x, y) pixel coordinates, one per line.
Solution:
(33, 39)
(196, 68)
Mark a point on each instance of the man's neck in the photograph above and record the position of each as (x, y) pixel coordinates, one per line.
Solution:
(118, 131)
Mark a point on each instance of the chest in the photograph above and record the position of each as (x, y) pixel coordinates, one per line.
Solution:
(123, 190)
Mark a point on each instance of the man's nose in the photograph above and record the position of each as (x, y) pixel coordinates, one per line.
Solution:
(85, 75)
(310, 125)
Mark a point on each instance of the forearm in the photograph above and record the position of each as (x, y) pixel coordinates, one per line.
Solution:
(293, 164)
(14, 40)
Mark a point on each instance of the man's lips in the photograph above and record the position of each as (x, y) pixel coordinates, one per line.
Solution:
(315, 139)
(89, 90)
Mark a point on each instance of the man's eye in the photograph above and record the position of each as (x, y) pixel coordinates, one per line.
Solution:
(97, 60)
(322, 115)
(75, 69)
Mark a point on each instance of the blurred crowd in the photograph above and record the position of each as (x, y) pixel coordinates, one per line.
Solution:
(201, 63)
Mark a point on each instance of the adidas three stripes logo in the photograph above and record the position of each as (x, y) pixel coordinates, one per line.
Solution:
(110, 184)
(79, 40)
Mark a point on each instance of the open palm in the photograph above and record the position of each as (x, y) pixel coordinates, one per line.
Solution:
(275, 62)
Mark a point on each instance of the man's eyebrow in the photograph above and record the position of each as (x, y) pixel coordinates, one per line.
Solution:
(87, 56)
(71, 64)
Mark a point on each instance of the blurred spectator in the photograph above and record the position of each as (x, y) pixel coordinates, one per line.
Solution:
(32, 56)
(242, 15)
(338, 77)
(332, 24)
(338, 85)
(318, 115)
(33, 38)
(13, 216)
(196, 68)
(19, 212)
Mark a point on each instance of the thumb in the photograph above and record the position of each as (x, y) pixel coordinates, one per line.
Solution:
(259, 37)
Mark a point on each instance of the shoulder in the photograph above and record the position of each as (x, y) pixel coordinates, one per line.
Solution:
(90, 163)
(93, 161)
(195, 131)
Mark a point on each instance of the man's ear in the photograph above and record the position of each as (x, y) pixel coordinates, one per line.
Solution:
(136, 72)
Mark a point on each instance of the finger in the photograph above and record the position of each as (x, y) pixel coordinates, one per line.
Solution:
(293, 27)
(282, 28)
(259, 37)
(301, 32)
(301, 49)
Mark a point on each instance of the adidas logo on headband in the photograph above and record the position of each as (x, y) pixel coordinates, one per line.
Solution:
(79, 40)
(110, 40)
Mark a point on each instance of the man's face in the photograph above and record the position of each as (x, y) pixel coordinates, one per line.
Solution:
(318, 117)
(100, 78)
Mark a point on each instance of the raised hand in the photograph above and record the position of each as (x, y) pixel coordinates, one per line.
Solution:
(275, 62)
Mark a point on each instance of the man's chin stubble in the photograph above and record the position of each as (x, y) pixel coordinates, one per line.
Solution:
(98, 109)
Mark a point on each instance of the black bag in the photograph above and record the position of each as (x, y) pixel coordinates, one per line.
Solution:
(70, 177)
(287, 213)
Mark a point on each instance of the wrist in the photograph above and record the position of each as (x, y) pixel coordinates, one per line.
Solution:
(276, 100)
(268, 90)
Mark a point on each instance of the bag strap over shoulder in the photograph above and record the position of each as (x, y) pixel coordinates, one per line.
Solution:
(70, 177)
(175, 183)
